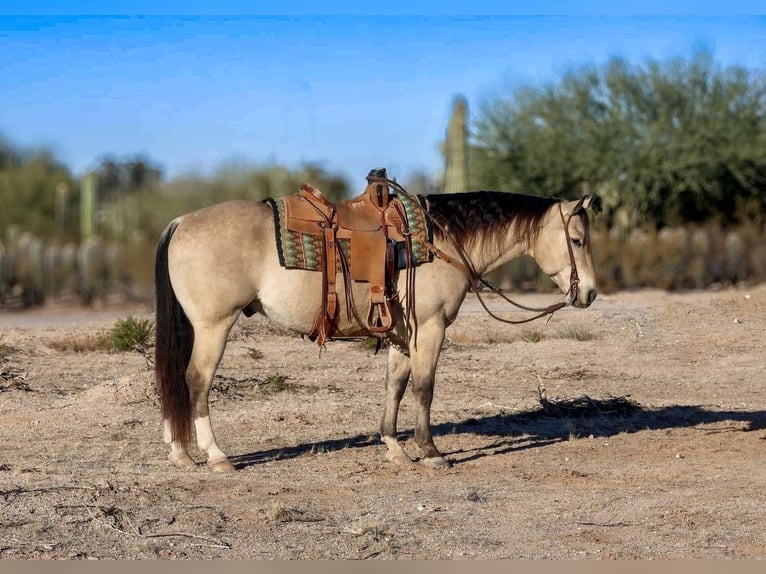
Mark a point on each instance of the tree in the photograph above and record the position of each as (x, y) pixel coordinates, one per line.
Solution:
(28, 183)
(117, 176)
(662, 143)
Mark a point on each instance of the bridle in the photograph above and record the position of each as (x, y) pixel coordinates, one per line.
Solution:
(574, 278)
(574, 281)
(474, 278)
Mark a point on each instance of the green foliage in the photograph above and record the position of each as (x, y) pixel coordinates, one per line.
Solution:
(145, 214)
(663, 143)
(679, 257)
(131, 334)
(40, 205)
(117, 177)
(28, 180)
(134, 204)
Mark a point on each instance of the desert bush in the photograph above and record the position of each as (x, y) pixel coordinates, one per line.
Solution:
(131, 334)
(680, 258)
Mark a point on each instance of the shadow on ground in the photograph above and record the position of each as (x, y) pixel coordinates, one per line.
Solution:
(535, 429)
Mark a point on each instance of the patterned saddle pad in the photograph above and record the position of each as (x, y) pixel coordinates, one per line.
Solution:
(304, 251)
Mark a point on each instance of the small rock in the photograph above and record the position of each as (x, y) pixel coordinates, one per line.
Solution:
(738, 321)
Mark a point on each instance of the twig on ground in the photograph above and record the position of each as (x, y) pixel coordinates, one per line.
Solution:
(584, 405)
(608, 524)
(12, 491)
(213, 542)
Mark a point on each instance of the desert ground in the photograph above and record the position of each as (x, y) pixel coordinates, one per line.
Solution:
(635, 429)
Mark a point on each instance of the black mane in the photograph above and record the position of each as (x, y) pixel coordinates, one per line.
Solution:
(480, 215)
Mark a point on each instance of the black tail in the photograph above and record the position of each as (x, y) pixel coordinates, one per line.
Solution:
(175, 338)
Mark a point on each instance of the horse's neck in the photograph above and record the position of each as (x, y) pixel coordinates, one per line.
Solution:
(490, 253)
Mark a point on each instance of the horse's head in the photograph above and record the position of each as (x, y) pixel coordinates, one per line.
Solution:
(563, 249)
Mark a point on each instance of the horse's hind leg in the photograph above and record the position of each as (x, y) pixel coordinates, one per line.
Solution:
(209, 343)
(178, 453)
(397, 375)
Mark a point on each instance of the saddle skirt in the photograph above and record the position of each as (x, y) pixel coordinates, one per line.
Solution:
(364, 239)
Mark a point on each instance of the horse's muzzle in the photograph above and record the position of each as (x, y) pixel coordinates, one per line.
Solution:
(584, 298)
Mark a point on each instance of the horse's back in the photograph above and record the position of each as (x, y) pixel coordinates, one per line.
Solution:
(224, 234)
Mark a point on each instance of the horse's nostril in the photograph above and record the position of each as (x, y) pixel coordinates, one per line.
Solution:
(591, 296)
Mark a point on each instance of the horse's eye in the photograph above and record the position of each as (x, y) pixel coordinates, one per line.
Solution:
(576, 242)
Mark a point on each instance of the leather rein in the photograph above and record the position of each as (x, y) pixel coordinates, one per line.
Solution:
(474, 278)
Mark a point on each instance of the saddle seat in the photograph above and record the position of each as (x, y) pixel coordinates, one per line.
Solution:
(370, 226)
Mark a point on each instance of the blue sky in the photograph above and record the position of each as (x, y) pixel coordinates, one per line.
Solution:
(349, 92)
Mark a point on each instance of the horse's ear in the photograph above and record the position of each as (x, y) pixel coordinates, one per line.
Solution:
(592, 202)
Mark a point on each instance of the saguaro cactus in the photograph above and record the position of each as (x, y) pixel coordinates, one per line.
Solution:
(62, 207)
(88, 206)
(456, 149)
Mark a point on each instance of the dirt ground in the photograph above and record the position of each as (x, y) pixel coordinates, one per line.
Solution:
(665, 458)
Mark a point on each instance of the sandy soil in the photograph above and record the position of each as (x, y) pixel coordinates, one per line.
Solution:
(667, 459)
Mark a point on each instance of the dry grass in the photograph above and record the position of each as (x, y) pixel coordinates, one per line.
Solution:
(576, 332)
(233, 388)
(461, 336)
(257, 327)
(457, 335)
(278, 512)
(532, 336)
(254, 353)
(82, 343)
(11, 377)
(129, 334)
(274, 383)
(5, 350)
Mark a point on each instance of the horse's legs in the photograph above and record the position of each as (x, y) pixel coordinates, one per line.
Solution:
(423, 361)
(209, 343)
(397, 375)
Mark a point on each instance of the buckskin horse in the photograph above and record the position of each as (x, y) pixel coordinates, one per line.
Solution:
(223, 260)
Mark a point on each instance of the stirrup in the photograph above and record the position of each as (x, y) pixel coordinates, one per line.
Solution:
(379, 319)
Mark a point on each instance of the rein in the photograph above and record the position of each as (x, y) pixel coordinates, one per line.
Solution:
(467, 267)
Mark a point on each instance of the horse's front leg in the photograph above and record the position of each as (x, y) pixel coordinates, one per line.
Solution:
(423, 359)
(397, 376)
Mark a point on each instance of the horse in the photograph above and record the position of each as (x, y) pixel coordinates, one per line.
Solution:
(219, 261)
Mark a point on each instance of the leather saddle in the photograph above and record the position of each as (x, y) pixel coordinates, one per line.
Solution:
(371, 226)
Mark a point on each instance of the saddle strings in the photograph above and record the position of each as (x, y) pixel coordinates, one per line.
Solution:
(474, 277)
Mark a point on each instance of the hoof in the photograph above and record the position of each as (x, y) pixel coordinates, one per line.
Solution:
(436, 462)
(395, 453)
(222, 466)
(399, 458)
(181, 459)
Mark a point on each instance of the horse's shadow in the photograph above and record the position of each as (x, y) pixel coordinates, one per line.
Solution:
(532, 429)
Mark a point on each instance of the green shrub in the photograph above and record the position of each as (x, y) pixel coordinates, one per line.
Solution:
(131, 334)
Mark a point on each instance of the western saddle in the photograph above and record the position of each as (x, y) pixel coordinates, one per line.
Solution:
(365, 239)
